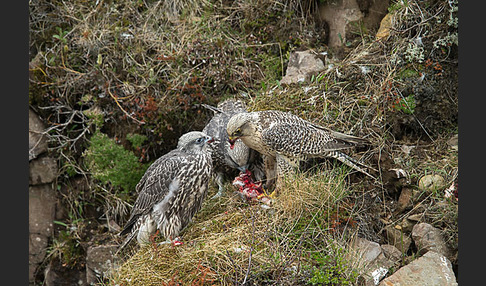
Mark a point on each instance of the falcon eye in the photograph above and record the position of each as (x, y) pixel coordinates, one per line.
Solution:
(200, 140)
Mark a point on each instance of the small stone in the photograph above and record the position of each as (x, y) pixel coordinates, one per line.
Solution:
(431, 183)
(428, 238)
(392, 253)
(373, 260)
(405, 200)
(42, 202)
(42, 170)
(37, 140)
(415, 217)
(407, 225)
(302, 65)
(398, 238)
(385, 26)
(453, 143)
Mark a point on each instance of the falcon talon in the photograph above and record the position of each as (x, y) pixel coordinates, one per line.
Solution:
(177, 242)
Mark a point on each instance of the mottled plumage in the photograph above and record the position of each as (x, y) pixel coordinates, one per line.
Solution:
(286, 139)
(228, 161)
(172, 190)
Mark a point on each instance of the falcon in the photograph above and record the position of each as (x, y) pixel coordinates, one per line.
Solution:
(228, 161)
(286, 140)
(171, 191)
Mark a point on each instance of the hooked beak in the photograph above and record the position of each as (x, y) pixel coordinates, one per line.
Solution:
(232, 141)
(210, 140)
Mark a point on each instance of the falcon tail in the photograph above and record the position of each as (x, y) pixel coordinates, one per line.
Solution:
(347, 160)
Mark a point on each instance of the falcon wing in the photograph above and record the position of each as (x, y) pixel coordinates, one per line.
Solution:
(151, 168)
(294, 140)
(155, 185)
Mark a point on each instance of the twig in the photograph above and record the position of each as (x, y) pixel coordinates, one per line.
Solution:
(119, 105)
(234, 265)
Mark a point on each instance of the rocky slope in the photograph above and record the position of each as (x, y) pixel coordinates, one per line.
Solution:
(123, 80)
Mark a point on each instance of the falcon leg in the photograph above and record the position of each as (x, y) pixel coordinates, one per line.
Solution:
(146, 230)
(270, 166)
(219, 182)
(175, 242)
(153, 236)
(285, 167)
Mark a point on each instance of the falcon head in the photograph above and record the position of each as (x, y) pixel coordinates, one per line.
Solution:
(238, 126)
(193, 142)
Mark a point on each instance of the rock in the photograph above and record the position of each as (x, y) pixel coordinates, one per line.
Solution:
(453, 142)
(100, 261)
(406, 225)
(37, 248)
(42, 202)
(405, 200)
(37, 253)
(37, 141)
(392, 254)
(398, 238)
(432, 269)
(415, 217)
(302, 65)
(385, 26)
(42, 170)
(338, 15)
(428, 238)
(56, 274)
(430, 183)
(373, 259)
(346, 18)
(368, 250)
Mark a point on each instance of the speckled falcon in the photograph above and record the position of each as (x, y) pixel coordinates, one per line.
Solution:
(228, 161)
(286, 139)
(172, 190)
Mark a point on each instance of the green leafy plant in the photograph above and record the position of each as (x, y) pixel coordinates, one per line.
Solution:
(61, 35)
(332, 269)
(405, 104)
(136, 139)
(111, 163)
(66, 245)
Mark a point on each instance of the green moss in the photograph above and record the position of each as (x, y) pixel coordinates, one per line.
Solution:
(408, 73)
(110, 163)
